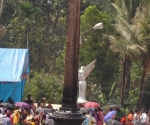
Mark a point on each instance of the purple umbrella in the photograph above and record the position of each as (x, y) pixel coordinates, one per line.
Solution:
(109, 116)
(22, 105)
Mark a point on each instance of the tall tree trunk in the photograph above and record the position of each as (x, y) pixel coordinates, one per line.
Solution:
(144, 64)
(123, 79)
(1, 7)
(127, 77)
(125, 84)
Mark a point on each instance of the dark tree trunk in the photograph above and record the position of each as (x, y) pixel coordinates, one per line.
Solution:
(123, 79)
(125, 82)
(144, 65)
(127, 77)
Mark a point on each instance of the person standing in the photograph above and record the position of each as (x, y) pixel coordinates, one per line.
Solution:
(100, 119)
(145, 118)
(32, 105)
(130, 116)
(136, 115)
(123, 119)
(1, 118)
(29, 100)
(36, 118)
(86, 120)
(6, 120)
(49, 105)
(118, 115)
(29, 117)
(143, 114)
(43, 103)
(16, 116)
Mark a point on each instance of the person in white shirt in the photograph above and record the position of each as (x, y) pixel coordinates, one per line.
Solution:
(142, 114)
(91, 119)
(137, 115)
(145, 118)
(1, 118)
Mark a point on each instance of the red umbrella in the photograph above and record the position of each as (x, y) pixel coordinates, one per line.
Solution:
(91, 105)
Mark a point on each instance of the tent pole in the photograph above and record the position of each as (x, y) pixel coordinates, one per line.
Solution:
(14, 93)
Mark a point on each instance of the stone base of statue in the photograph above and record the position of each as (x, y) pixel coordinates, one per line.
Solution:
(82, 91)
(64, 117)
(81, 101)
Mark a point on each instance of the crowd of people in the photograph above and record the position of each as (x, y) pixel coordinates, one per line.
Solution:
(97, 117)
(26, 116)
(94, 116)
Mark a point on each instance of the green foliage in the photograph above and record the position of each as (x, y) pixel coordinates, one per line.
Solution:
(45, 21)
(94, 46)
(42, 84)
(44, 29)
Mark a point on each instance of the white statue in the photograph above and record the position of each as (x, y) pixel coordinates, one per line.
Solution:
(82, 75)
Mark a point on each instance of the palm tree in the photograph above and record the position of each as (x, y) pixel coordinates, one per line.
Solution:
(136, 36)
(142, 33)
(27, 10)
(124, 11)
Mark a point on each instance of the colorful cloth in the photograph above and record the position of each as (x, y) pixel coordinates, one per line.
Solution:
(130, 117)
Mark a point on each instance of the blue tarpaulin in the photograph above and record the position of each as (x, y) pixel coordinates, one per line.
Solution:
(14, 65)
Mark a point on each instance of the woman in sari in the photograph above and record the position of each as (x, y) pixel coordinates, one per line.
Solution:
(130, 117)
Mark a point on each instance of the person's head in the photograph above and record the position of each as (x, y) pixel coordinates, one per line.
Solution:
(36, 113)
(32, 119)
(99, 109)
(8, 115)
(142, 110)
(124, 115)
(49, 103)
(117, 110)
(44, 99)
(137, 111)
(28, 111)
(16, 107)
(147, 111)
(32, 102)
(110, 109)
(29, 96)
(25, 111)
(5, 111)
(93, 114)
(130, 111)
(80, 105)
(11, 110)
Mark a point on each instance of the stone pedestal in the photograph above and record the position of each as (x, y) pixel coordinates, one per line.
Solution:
(63, 117)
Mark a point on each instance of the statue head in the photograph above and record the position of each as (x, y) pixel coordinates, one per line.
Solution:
(81, 69)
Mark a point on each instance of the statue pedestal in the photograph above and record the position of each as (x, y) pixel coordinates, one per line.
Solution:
(63, 117)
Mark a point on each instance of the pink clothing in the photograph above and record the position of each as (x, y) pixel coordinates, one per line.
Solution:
(11, 119)
(101, 119)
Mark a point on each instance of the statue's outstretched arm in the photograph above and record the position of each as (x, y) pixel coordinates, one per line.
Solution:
(89, 68)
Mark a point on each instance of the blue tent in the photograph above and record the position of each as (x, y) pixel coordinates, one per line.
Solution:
(14, 66)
